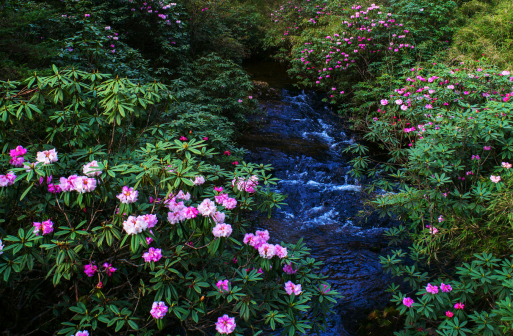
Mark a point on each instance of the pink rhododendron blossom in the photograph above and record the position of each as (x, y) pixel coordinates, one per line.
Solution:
(218, 189)
(176, 216)
(225, 324)
(267, 251)
(408, 302)
(219, 217)
(85, 332)
(249, 238)
(445, 288)
(290, 288)
(182, 196)
(45, 227)
(230, 203)
(11, 178)
(153, 254)
(190, 212)
(207, 208)
(449, 314)
(280, 251)
(198, 180)
(134, 225)
(440, 219)
(17, 161)
(85, 184)
(109, 269)
(47, 157)
(506, 165)
(433, 230)
(92, 169)
(222, 230)
(247, 185)
(90, 269)
(128, 195)
(1, 246)
(222, 284)
(263, 235)
(487, 147)
(182, 138)
(221, 198)
(431, 289)
(158, 310)
(68, 184)
(289, 269)
(384, 102)
(495, 179)
(18, 151)
(459, 305)
(151, 220)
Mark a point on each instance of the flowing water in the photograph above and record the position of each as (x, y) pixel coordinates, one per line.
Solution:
(303, 139)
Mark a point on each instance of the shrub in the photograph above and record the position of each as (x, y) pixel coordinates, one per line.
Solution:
(111, 212)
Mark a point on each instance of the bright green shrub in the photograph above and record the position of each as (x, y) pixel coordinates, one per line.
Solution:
(137, 139)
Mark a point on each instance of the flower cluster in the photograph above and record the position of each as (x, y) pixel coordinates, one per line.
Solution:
(153, 254)
(7, 179)
(45, 227)
(247, 185)
(92, 169)
(134, 225)
(81, 184)
(128, 195)
(178, 211)
(225, 324)
(90, 269)
(226, 201)
(47, 156)
(158, 310)
(17, 158)
(291, 288)
(259, 242)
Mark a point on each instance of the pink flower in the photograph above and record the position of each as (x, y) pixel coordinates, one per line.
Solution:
(182, 138)
(54, 188)
(92, 169)
(151, 220)
(449, 314)
(109, 269)
(487, 147)
(128, 195)
(158, 310)
(46, 227)
(384, 102)
(230, 203)
(219, 217)
(222, 230)
(263, 235)
(495, 179)
(17, 161)
(441, 219)
(506, 165)
(207, 208)
(221, 198)
(289, 269)
(205, 138)
(280, 251)
(250, 97)
(199, 180)
(218, 189)
(11, 178)
(249, 238)
(90, 269)
(85, 332)
(190, 212)
(290, 288)
(222, 285)
(227, 153)
(408, 302)
(431, 289)
(225, 324)
(134, 225)
(267, 251)
(433, 230)
(47, 157)
(68, 184)
(153, 254)
(445, 288)
(459, 305)
(84, 184)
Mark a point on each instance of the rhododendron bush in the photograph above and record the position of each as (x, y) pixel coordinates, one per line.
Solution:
(448, 177)
(333, 44)
(121, 212)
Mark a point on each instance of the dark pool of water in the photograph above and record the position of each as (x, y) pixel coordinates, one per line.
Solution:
(303, 139)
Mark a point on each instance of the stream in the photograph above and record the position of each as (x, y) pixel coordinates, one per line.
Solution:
(303, 140)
